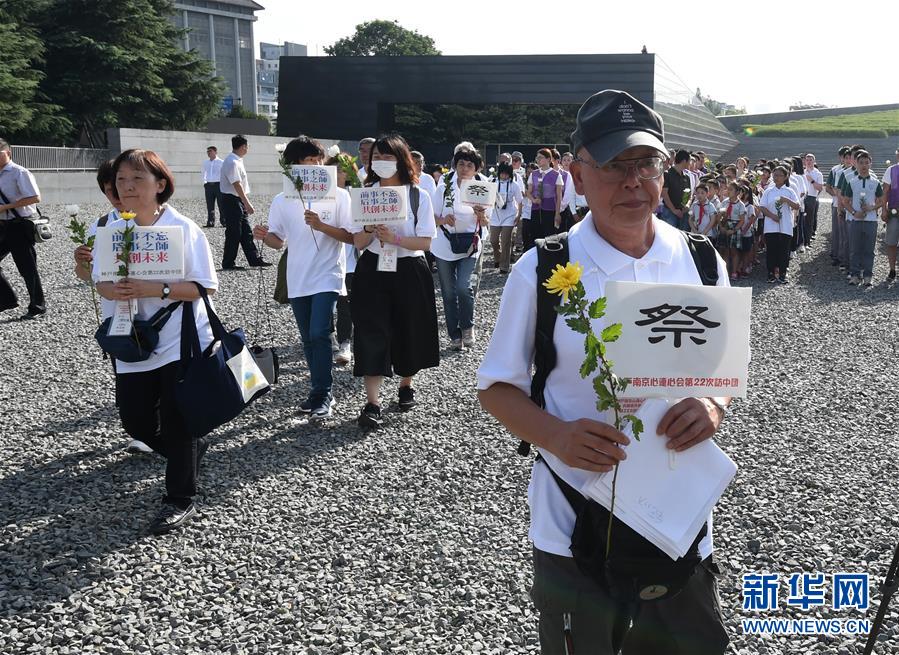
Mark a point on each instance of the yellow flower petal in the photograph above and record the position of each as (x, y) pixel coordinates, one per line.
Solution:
(128, 216)
(564, 279)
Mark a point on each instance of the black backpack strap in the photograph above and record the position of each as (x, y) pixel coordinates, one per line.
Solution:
(572, 495)
(414, 200)
(551, 251)
(103, 220)
(704, 257)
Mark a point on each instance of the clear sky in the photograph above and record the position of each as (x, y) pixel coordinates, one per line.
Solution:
(731, 58)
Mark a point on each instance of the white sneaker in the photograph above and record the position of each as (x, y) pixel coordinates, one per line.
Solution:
(801, 247)
(137, 447)
(456, 344)
(334, 345)
(344, 354)
(468, 337)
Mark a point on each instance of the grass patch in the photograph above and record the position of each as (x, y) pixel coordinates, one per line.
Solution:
(873, 125)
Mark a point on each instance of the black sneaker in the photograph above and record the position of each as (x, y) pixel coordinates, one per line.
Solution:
(33, 314)
(171, 517)
(892, 275)
(202, 447)
(260, 264)
(322, 408)
(370, 417)
(407, 399)
(783, 279)
(771, 279)
(306, 406)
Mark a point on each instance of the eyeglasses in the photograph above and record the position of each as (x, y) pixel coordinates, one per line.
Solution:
(647, 168)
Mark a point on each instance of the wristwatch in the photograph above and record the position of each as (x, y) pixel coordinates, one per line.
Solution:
(166, 290)
(718, 402)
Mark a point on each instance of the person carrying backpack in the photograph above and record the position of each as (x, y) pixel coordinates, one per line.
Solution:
(620, 153)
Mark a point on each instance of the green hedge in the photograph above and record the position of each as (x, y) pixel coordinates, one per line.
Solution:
(783, 130)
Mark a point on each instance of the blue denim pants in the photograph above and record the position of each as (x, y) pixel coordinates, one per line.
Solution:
(457, 293)
(313, 314)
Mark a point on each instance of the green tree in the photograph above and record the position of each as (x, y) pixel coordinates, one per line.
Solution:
(23, 107)
(382, 37)
(117, 62)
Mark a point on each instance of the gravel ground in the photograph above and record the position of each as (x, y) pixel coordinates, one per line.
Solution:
(321, 539)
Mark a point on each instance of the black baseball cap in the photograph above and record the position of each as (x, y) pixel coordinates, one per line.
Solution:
(612, 121)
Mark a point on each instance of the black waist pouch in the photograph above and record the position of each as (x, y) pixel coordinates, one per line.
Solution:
(635, 570)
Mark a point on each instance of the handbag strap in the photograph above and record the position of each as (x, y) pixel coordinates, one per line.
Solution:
(190, 338)
(7, 202)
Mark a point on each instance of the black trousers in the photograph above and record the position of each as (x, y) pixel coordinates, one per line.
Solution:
(811, 218)
(149, 413)
(344, 314)
(213, 195)
(527, 236)
(17, 239)
(778, 253)
(237, 232)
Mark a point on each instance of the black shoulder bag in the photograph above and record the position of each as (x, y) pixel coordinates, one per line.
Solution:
(635, 570)
(40, 225)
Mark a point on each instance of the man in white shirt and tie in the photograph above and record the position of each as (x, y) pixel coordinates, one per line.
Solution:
(212, 174)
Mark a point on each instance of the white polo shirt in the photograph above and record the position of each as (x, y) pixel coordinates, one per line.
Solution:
(233, 171)
(510, 356)
(857, 187)
(17, 182)
(817, 177)
(317, 263)
(769, 200)
(508, 198)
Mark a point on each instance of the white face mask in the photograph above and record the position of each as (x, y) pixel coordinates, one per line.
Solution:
(384, 169)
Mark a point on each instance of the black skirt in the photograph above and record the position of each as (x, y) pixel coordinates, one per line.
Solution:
(394, 318)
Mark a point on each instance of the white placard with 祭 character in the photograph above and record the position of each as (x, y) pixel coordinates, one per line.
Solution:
(680, 340)
(156, 253)
(477, 192)
(319, 183)
(380, 205)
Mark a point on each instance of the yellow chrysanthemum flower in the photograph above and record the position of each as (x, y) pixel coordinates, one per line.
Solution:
(564, 279)
(128, 216)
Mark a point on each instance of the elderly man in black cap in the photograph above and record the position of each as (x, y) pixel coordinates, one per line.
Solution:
(620, 151)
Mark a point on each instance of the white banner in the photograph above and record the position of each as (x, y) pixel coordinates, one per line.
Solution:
(381, 205)
(680, 340)
(156, 253)
(476, 192)
(319, 183)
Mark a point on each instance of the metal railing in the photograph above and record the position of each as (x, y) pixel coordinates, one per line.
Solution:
(44, 158)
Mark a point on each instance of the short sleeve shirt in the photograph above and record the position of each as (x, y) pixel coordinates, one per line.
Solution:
(817, 178)
(17, 182)
(233, 171)
(867, 189)
(676, 183)
(425, 227)
(769, 200)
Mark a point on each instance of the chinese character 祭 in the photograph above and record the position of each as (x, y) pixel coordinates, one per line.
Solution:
(662, 314)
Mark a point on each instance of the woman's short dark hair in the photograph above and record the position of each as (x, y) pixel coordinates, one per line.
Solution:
(556, 155)
(545, 152)
(430, 169)
(147, 160)
(106, 175)
(468, 155)
(393, 144)
(506, 168)
(783, 170)
(300, 148)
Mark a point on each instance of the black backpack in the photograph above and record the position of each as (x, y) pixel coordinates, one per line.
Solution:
(636, 570)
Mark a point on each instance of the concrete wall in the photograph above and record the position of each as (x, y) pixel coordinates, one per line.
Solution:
(185, 153)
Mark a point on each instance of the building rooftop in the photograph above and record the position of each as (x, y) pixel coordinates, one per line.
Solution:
(243, 3)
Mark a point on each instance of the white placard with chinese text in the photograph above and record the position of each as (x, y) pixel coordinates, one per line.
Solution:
(680, 340)
(379, 205)
(156, 253)
(477, 192)
(319, 183)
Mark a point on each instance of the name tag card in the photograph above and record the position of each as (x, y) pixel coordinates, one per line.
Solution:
(475, 192)
(156, 253)
(680, 340)
(387, 258)
(319, 183)
(121, 323)
(379, 205)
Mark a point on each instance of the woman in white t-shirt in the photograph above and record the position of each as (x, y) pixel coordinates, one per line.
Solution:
(316, 234)
(505, 217)
(392, 301)
(145, 390)
(462, 225)
(777, 205)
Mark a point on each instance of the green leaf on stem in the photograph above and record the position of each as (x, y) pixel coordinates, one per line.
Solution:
(636, 425)
(579, 324)
(598, 308)
(611, 332)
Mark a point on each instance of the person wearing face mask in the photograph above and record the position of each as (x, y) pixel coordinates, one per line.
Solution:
(455, 264)
(146, 389)
(316, 234)
(393, 306)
